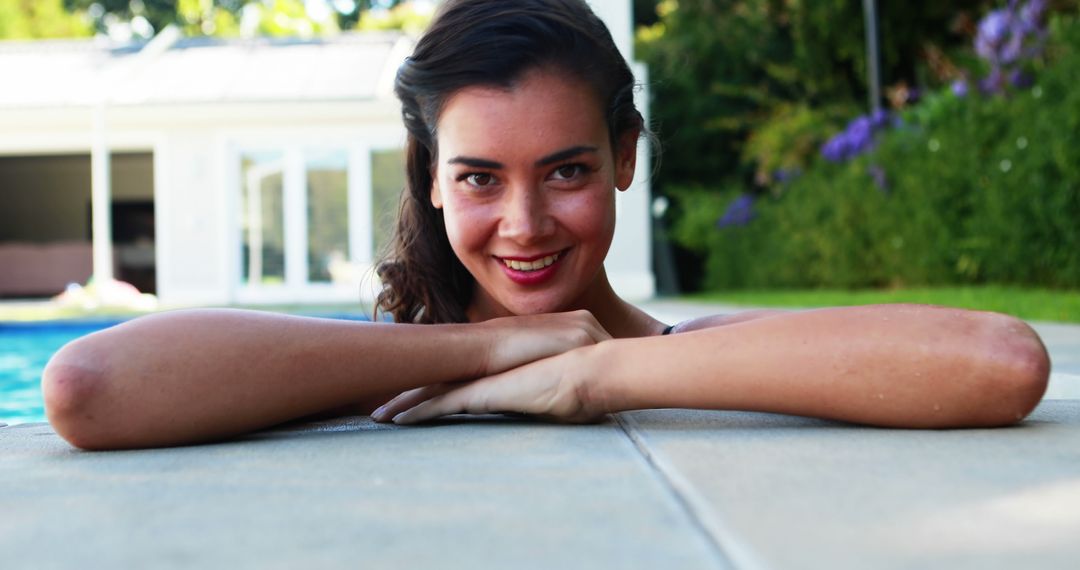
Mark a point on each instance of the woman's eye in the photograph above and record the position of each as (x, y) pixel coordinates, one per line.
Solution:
(479, 179)
(568, 171)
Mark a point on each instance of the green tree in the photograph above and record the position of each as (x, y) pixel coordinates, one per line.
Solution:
(723, 69)
(229, 18)
(40, 19)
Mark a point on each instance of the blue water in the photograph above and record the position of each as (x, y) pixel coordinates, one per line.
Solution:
(25, 348)
(24, 351)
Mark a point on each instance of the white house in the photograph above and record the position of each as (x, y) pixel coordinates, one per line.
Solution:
(241, 171)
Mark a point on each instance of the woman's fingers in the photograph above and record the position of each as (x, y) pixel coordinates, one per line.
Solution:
(547, 388)
(444, 405)
(499, 393)
(406, 400)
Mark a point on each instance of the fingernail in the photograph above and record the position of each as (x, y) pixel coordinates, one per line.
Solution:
(399, 418)
(378, 412)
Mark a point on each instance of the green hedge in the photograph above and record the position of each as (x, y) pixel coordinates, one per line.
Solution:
(979, 189)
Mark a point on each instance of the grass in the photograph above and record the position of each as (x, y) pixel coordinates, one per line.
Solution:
(1030, 304)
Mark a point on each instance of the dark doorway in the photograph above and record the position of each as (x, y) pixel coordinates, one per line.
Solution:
(45, 224)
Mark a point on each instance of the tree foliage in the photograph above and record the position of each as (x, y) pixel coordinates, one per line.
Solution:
(723, 70)
(40, 19)
(967, 187)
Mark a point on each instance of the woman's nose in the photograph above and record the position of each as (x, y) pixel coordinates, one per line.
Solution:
(526, 217)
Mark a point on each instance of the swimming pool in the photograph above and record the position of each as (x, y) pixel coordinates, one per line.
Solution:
(25, 348)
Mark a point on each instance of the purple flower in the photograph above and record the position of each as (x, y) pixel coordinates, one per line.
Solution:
(993, 30)
(1005, 38)
(860, 134)
(1006, 35)
(1021, 80)
(992, 83)
(857, 138)
(960, 88)
(739, 212)
(880, 119)
(783, 175)
(836, 148)
(1011, 50)
(1031, 18)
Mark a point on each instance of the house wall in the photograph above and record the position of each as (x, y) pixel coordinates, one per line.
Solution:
(195, 169)
(197, 172)
(629, 262)
(191, 241)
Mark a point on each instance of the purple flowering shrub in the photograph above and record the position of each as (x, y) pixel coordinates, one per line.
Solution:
(857, 138)
(739, 212)
(980, 190)
(1006, 39)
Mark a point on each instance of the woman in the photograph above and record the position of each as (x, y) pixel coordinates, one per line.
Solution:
(521, 128)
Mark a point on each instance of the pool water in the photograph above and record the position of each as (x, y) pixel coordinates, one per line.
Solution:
(25, 348)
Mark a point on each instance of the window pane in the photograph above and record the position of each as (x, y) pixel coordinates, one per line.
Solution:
(328, 214)
(387, 181)
(262, 218)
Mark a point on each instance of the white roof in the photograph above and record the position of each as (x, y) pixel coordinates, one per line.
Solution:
(355, 66)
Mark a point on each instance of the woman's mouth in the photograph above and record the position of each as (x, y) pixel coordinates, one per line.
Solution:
(534, 270)
(534, 265)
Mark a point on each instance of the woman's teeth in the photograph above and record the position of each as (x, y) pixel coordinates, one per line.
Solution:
(530, 265)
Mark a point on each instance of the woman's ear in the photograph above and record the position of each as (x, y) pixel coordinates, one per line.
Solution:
(626, 159)
(436, 194)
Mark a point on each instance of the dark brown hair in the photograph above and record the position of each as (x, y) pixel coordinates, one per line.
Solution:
(482, 43)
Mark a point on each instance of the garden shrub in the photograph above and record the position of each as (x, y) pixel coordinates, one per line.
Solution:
(965, 189)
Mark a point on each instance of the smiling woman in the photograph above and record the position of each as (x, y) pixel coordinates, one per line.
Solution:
(532, 207)
(522, 128)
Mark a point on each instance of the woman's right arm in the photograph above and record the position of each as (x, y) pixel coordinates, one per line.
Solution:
(197, 375)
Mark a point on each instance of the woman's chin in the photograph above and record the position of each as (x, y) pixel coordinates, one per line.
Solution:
(524, 307)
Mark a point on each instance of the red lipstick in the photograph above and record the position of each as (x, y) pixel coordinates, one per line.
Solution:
(532, 277)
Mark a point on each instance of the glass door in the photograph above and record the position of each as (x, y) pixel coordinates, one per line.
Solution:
(262, 219)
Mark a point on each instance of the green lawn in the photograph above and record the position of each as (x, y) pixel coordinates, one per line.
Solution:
(1031, 304)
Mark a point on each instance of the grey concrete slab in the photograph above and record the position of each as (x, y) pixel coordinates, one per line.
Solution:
(1063, 387)
(787, 492)
(1063, 343)
(492, 492)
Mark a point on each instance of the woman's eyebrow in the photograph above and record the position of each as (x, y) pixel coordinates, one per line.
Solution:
(475, 162)
(565, 154)
(552, 158)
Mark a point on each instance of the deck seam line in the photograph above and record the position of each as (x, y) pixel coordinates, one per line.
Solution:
(723, 541)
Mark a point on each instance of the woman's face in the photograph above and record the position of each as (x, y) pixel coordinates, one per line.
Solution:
(525, 178)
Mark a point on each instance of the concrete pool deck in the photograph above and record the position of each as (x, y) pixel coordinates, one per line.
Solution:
(649, 489)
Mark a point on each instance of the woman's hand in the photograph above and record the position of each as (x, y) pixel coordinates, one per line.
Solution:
(514, 341)
(520, 340)
(554, 388)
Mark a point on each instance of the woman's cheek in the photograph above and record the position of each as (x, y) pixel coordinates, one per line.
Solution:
(590, 213)
(465, 226)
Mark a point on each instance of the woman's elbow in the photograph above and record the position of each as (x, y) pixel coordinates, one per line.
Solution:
(1020, 368)
(72, 384)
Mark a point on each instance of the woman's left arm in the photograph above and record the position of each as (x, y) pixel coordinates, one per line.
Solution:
(907, 366)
